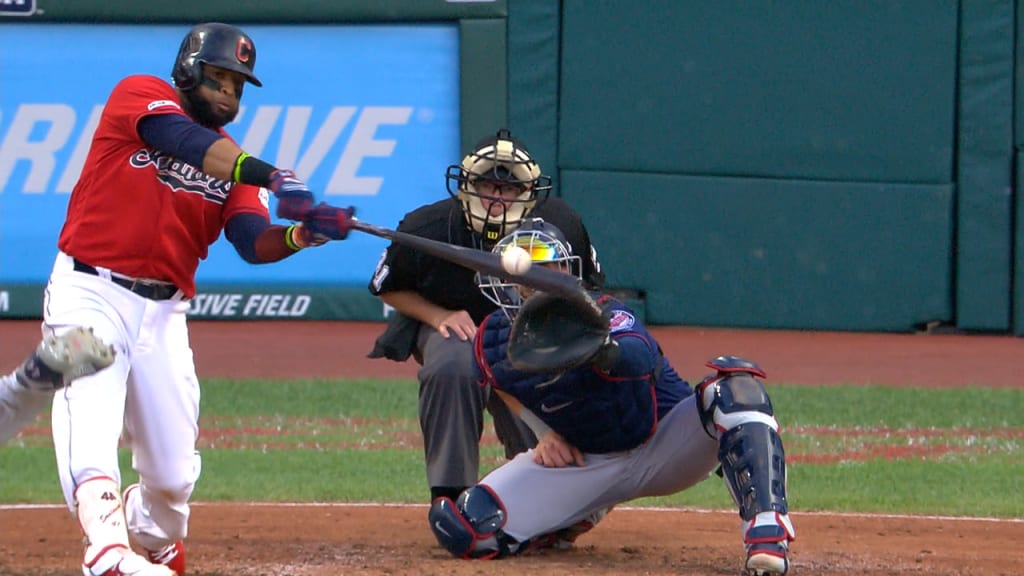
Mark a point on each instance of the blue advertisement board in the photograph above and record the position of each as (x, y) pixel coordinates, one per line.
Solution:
(367, 115)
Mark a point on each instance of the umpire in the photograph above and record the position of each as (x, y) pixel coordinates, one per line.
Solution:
(438, 305)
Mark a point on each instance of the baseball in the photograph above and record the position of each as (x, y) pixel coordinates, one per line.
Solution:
(515, 260)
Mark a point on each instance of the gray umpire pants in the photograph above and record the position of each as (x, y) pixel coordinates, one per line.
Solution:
(451, 405)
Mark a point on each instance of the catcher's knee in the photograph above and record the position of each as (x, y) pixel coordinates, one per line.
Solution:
(735, 408)
(733, 396)
(470, 526)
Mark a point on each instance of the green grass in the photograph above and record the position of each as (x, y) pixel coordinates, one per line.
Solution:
(857, 449)
(848, 406)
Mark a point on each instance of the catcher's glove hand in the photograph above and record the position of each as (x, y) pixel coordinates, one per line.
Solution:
(551, 334)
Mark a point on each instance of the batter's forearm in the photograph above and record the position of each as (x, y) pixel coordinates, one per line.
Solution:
(225, 160)
(272, 245)
(204, 148)
(258, 241)
(220, 158)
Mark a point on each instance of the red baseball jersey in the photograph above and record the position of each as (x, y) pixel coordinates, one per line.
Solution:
(139, 211)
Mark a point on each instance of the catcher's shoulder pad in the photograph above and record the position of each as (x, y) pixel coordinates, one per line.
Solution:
(494, 338)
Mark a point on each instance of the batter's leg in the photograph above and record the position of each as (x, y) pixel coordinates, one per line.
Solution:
(451, 405)
(88, 417)
(162, 426)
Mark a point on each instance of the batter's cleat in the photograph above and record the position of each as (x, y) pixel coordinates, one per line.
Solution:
(60, 359)
(118, 560)
(172, 556)
(767, 539)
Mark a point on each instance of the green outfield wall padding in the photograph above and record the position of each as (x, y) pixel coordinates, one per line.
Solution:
(1018, 65)
(839, 90)
(224, 302)
(773, 253)
(265, 11)
(1018, 259)
(984, 165)
(533, 34)
(483, 88)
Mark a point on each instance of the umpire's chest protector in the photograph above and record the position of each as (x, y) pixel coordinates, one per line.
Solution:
(594, 411)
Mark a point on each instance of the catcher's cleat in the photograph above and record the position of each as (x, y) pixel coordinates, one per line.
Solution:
(767, 538)
(75, 353)
(767, 560)
(119, 561)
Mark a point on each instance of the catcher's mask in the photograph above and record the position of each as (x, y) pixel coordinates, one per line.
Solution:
(499, 170)
(215, 44)
(546, 245)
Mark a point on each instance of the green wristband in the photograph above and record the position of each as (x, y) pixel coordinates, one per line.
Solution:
(237, 174)
(288, 239)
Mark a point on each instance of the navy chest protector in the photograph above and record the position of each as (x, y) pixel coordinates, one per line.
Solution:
(596, 411)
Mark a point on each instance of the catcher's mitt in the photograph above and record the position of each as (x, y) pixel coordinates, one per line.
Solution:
(551, 333)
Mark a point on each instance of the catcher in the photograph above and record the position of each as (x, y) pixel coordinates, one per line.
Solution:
(614, 422)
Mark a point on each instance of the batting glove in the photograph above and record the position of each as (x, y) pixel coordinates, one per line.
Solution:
(294, 200)
(329, 221)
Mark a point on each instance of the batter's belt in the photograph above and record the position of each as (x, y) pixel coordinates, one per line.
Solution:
(150, 290)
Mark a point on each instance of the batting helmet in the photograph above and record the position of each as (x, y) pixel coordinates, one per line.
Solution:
(215, 44)
(546, 245)
(503, 160)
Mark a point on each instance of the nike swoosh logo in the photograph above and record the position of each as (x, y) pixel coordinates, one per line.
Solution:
(437, 524)
(549, 409)
(549, 381)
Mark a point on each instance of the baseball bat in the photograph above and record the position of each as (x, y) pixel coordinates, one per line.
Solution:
(537, 277)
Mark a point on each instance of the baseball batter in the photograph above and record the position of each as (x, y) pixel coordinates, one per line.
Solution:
(161, 181)
(622, 425)
(54, 364)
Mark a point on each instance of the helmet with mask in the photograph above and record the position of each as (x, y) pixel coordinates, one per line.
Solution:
(497, 184)
(546, 245)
